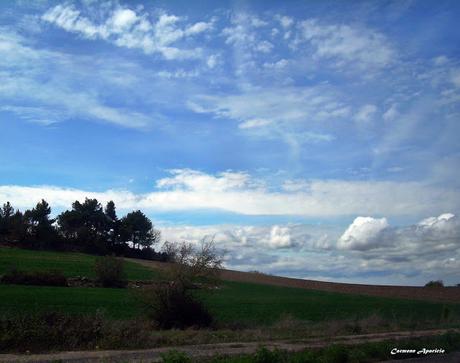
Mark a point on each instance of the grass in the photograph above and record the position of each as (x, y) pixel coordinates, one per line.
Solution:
(240, 304)
(71, 264)
(264, 304)
(114, 303)
(235, 302)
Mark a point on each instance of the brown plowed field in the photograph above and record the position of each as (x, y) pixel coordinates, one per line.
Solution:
(445, 294)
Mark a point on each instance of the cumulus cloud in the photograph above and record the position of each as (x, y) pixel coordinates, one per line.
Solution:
(428, 236)
(443, 231)
(280, 237)
(126, 28)
(364, 233)
(415, 253)
(373, 251)
(233, 237)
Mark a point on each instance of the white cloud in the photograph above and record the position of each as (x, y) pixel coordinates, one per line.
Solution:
(365, 113)
(455, 77)
(256, 122)
(238, 192)
(391, 113)
(126, 28)
(233, 237)
(122, 19)
(437, 222)
(441, 60)
(24, 93)
(70, 19)
(199, 27)
(280, 237)
(285, 21)
(396, 255)
(247, 39)
(264, 47)
(363, 234)
(257, 22)
(37, 115)
(212, 61)
(279, 105)
(178, 74)
(349, 46)
(197, 181)
(430, 236)
(282, 63)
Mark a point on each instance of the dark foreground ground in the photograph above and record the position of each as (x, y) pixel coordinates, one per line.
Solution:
(205, 351)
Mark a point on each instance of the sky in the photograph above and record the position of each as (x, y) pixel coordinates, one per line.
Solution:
(311, 139)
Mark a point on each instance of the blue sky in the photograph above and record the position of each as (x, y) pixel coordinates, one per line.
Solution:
(313, 139)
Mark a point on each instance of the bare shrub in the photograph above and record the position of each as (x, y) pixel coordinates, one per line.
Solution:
(172, 305)
(192, 264)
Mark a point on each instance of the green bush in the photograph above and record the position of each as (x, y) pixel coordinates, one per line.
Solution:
(39, 278)
(335, 354)
(170, 306)
(263, 355)
(174, 356)
(437, 283)
(110, 271)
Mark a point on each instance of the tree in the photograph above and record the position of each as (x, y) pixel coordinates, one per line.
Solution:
(435, 283)
(39, 226)
(138, 229)
(110, 211)
(10, 223)
(113, 224)
(86, 225)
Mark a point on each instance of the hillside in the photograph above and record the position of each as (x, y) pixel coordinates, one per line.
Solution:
(445, 294)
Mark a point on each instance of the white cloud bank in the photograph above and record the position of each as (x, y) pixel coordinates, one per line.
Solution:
(368, 251)
(239, 192)
(429, 235)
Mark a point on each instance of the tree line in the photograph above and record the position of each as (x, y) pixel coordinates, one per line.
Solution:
(87, 227)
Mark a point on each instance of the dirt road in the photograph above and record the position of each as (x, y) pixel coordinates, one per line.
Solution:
(208, 350)
(445, 294)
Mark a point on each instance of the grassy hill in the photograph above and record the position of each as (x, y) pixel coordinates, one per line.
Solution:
(234, 301)
(71, 264)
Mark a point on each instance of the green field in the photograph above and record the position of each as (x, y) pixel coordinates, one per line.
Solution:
(114, 303)
(233, 302)
(71, 264)
(264, 303)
